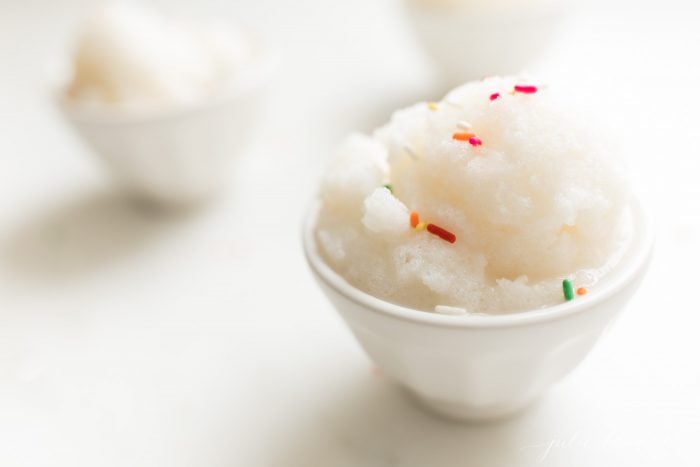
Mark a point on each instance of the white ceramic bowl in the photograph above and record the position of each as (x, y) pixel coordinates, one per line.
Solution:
(482, 367)
(178, 155)
(469, 40)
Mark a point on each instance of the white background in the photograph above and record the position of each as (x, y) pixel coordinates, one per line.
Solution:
(130, 339)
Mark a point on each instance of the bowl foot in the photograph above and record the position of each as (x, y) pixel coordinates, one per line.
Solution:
(464, 413)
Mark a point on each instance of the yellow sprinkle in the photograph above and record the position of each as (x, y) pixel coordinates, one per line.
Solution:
(421, 226)
(566, 228)
(433, 106)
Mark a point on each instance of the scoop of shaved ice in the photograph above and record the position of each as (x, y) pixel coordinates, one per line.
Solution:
(133, 56)
(541, 199)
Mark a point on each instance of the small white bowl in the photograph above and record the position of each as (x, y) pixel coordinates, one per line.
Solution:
(177, 155)
(478, 367)
(471, 40)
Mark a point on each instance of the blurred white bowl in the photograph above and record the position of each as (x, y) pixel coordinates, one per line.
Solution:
(482, 367)
(177, 155)
(471, 39)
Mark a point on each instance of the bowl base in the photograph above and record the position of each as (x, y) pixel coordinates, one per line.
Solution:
(462, 413)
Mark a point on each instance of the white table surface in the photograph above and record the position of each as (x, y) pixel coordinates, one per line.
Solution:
(129, 339)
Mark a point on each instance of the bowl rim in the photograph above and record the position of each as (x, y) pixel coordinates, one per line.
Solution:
(633, 264)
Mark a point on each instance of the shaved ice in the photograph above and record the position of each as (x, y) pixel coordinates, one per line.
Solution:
(533, 192)
(133, 56)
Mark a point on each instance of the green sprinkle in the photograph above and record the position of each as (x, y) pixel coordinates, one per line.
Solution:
(389, 187)
(568, 289)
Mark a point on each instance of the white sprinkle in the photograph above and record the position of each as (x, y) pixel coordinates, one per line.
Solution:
(464, 125)
(410, 151)
(450, 310)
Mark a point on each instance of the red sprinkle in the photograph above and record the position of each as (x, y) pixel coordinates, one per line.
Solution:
(474, 141)
(525, 89)
(442, 233)
(414, 219)
(494, 96)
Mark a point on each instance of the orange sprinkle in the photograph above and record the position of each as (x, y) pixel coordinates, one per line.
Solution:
(414, 219)
(462, 136)
(581, 291)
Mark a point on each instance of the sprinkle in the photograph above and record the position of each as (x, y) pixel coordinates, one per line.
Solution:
(494, 96)
(389, 187)
(421, 226)
(410, 151)
(474, 141)
(525, 89)
(414, 219)
(433, 106)
(581, 291)
(464, 125)
(568, 289)
(566, 228)
(442, 233)
(462, 136)
(450, 310)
